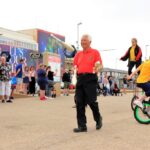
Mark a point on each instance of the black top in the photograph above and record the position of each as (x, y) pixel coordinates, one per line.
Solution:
(66, 77)
(50, 75)
(124, 81)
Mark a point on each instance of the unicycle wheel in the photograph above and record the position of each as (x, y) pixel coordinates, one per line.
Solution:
(132, 102)
(142, 115)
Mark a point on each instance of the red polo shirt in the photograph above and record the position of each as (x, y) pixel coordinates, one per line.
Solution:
(85, 60)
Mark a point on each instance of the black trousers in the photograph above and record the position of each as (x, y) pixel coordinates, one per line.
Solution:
(32, 85)
(86, 94)
(132, 64)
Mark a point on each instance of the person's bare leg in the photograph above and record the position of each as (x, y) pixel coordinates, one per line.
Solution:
(12, 93)
(3, 98)
(25, 88)
(142, 98)
(17, 88)
(125, 91)
(137, 91)
(65, 92)
(139, 101)
(21, 87)
(41, 96)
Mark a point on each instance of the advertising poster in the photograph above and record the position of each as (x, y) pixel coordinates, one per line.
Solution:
(49, 44)
(55, 63)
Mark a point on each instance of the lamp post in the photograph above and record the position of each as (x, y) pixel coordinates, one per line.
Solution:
(80, 23)
(146, 51)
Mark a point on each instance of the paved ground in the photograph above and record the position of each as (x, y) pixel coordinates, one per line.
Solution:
(30, 124)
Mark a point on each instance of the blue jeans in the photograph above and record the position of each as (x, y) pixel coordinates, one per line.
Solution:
(49, 87)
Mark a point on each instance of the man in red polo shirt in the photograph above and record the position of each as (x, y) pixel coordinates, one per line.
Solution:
(88, 63)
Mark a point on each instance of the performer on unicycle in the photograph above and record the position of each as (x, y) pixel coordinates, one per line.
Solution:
(134, 56)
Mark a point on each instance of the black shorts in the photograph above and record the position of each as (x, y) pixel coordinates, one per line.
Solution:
(26, 80)
(42, 84)
(145, 87)
(86, 89)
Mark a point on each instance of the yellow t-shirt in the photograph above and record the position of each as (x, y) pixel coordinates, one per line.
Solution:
(132, 54)
(144, 72)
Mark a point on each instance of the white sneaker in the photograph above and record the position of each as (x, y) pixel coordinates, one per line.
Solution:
(148, 111)
(138, 103)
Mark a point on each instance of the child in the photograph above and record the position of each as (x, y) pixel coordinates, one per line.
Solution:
(116, 90)
(13, 85)
(53, 92)
(26, 79)
(143, 81)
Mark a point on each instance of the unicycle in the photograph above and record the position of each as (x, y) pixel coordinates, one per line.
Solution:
(135, 96)
(132, 102)
(143, 115)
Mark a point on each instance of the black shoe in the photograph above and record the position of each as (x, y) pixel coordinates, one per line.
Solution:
(3, 101)
(9, 101)
(99, 125)
(80, 129)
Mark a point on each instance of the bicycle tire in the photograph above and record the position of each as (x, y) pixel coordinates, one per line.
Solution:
(143, 118)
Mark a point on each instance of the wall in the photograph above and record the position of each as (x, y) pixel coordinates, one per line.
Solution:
(48, 44)
(17, 53)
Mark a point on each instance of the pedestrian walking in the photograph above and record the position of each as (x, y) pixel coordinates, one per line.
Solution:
(88, 62)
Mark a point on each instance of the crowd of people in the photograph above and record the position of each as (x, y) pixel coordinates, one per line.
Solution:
(25, 80)
(108, 85)
(29, 80)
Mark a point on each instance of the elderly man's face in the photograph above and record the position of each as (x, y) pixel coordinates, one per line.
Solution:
(85, 42)
(3, 60)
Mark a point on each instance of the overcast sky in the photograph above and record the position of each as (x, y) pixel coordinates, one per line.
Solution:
(111, 23)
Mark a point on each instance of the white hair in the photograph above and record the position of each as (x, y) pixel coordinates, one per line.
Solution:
(88, 36)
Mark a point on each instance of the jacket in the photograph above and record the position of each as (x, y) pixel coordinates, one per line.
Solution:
(138, 54)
